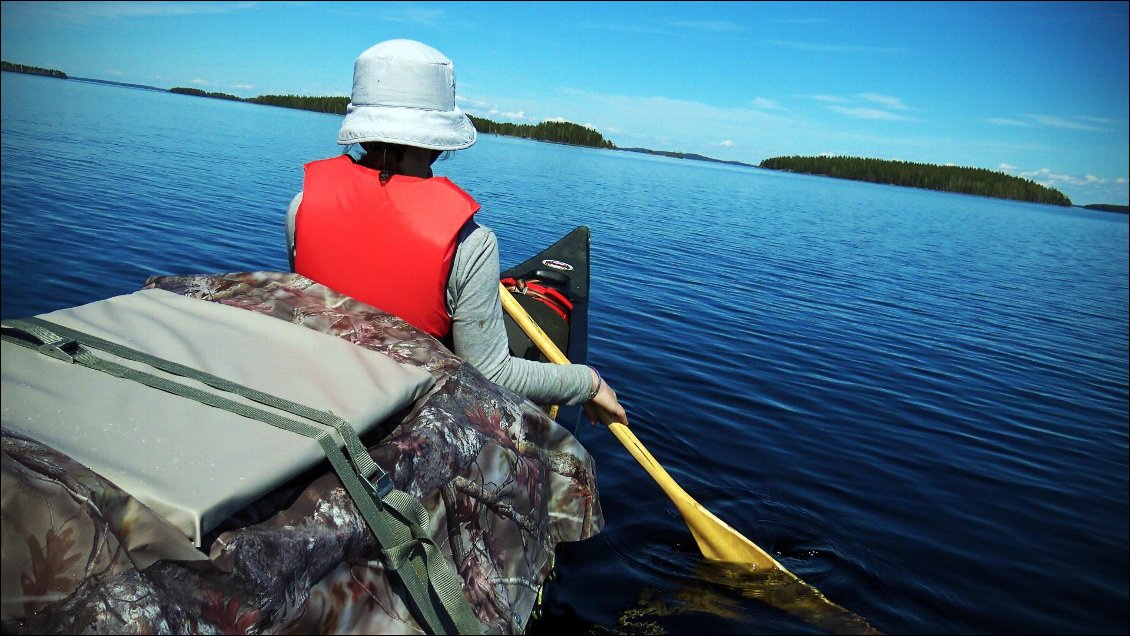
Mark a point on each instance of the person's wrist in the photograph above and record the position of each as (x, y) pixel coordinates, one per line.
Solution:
(596, 385)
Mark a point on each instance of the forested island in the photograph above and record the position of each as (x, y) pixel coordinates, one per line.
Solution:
(977, 181)
(685, 155)
(31, 70)
(1105, 207)
(561, 132)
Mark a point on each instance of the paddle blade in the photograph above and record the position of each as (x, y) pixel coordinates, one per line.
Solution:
(717, 540)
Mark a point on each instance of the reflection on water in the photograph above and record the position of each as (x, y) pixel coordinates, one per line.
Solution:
(779, 589)
(717, 589)
(685, 594)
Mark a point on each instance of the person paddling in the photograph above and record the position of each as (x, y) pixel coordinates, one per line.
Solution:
(382, 229)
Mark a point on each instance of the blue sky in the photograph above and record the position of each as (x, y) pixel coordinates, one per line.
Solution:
(1033, 89)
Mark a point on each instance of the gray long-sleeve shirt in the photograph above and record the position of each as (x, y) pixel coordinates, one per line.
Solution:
(478, 330)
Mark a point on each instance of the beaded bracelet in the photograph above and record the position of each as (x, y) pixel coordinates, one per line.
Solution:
(599, 383)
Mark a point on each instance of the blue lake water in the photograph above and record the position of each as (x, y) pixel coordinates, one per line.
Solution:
(916, 401)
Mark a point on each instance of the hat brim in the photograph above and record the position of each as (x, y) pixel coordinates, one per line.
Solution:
(422, 128)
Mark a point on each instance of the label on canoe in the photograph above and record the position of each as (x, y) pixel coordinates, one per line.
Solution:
(561, 265)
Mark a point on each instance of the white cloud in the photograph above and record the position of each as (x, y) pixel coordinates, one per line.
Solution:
(1053, 121)
(804, 21)
(869, 113)
(1104, 121)
(1051, 178)
(1048, 176)
(727, 144)
(87, 11)
(716, 26)
(408, 14)
(1030, 120)
(1005, 121)
(488, 110)
(472, 103)
(200, 82)
(847, 106)
(832, 48)
(885, 100)
(1081, 190)
(831, 99)
(622, 28)
(765, 104)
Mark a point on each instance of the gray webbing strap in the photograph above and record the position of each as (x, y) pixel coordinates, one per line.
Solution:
(396, 519)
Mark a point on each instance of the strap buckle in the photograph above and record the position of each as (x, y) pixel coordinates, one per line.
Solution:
(383, 486)
(57, 349)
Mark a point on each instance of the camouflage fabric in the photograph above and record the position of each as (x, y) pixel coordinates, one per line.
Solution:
(502, 482)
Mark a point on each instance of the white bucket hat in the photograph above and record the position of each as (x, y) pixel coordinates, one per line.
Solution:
(404, 93)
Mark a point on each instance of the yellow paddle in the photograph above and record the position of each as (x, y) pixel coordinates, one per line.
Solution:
(717, 540)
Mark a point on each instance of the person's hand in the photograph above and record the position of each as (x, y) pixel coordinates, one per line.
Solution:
(604, 407)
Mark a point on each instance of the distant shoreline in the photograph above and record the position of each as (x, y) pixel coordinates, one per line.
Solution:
(1106, 207)
(123, 84)
(32, 70)
(687, 155)
(498, 129)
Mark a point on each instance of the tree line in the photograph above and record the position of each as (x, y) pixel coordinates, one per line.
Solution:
(331, 105)
(977, 181)
(1108, 207)
(555, 131)
(561, 132)
(32, 70)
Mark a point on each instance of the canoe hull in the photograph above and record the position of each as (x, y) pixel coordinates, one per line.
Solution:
(538, 284)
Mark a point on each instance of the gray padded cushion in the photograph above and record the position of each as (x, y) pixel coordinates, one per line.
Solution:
(194, 464)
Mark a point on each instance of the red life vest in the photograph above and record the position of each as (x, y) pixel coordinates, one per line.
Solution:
(389, 245)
